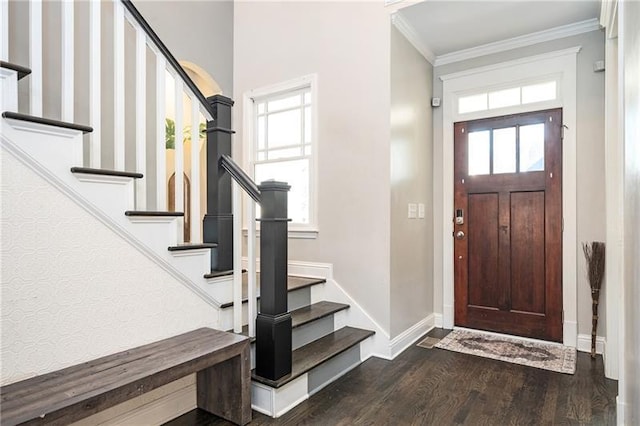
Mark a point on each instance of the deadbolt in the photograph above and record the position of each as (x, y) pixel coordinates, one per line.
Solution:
(460, 235)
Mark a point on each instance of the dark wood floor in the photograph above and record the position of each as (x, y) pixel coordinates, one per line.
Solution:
(438, 387)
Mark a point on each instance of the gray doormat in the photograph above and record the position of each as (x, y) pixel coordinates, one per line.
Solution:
(548, 356)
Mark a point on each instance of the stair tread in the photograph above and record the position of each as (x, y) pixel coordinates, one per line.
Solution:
(152, 213)
(317, 352)
(307, 314)
(22, 71)
(294, 282)
(182, 247)
(217, 274)
(105, 172)
(46, 121)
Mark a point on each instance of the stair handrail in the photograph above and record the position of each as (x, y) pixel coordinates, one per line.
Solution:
(241, 177)
(168, 55)
(273, 322)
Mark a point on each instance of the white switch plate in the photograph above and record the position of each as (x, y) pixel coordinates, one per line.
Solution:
(421, 211)
(413, 210)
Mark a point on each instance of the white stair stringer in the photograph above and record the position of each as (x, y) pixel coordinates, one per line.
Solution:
(51, 151)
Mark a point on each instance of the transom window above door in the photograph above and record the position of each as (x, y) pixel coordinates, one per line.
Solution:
(504, 98)
(515, 149)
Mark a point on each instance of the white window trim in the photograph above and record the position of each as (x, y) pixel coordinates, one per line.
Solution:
(311, 230)
(562, 62)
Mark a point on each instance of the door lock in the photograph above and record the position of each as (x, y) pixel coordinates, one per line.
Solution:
(460, 235)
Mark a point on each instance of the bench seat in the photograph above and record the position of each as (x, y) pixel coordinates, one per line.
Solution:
(220, 359)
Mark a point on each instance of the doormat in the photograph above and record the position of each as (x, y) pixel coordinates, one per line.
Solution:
(548, 356)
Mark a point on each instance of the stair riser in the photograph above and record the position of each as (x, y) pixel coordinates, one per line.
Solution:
(118, 194)
(312, 331)
(296, 299)
(276, 402)
(55, 149)
(9, 86)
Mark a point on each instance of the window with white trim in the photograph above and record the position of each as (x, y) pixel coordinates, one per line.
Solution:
(283, 145)
(510, 97)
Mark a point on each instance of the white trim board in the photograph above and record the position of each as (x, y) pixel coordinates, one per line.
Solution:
(401, 342)
(519, 42)
(584, 343)
(564, 64)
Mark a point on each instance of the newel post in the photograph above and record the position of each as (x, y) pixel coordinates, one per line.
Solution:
(273, 325)
(218, 222)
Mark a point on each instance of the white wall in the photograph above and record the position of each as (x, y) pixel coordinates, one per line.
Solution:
(200, 32)
(590, 155)
(411, 182)
(629, 20)
(347, 45)
(71, 289)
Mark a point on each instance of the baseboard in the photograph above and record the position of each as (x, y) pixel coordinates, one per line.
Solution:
(405, 339)
(437, 320)
(620, 412)
(584, 343)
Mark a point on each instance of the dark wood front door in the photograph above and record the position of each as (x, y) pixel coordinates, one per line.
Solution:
(508, 224)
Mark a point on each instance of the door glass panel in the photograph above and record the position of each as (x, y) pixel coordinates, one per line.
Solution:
(504, 150)
(532, 148)
(479, 153)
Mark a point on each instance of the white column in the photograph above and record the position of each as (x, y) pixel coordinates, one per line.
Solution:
(160, 120)
(67, 61)
(196, 221)
(35, 57)
(95, 91)
(141, 117)
(4, 24)
(179, 154)
(236, 201)
(251, 265)
(118, 89)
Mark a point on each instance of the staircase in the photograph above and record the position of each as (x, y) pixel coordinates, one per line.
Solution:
(323, 345)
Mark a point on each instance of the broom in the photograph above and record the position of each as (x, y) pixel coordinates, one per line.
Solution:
(594, 254)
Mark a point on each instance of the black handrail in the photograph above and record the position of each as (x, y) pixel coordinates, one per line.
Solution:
(167, 54)
(240, 177)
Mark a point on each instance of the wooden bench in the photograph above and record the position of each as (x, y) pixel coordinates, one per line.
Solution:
(221, 361)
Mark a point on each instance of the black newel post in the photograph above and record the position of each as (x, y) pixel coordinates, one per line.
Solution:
(273, 325)
(218, 222)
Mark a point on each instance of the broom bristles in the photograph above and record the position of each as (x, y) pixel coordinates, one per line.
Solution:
(594, 253)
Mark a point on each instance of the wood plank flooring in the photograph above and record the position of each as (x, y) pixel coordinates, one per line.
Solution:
(437, 387)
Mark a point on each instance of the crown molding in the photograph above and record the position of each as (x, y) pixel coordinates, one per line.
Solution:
(518, 42)
(407, 30)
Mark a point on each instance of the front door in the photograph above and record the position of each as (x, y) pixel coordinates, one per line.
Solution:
(508, 224)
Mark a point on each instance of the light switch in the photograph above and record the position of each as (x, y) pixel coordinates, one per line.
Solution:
(421, 211)
(413, 210)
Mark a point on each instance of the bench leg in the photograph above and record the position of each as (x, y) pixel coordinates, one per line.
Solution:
(225, 389)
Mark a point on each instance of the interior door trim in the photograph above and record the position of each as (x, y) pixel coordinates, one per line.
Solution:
(561, 62)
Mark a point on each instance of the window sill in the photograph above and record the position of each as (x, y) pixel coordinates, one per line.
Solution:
(296, 234)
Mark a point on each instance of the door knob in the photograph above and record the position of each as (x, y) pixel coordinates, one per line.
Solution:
(460, 235)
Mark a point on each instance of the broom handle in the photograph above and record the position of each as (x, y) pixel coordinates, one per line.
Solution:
(594, 327)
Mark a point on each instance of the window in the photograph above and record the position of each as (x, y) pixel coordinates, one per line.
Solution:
(283, 145)
(504, 98)
(516, 149)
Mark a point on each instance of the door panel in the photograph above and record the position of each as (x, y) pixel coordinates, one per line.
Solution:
(527, 252)
(483, 283)
(508, 245)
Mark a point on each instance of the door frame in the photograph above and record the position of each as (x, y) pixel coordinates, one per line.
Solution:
(560, 65)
